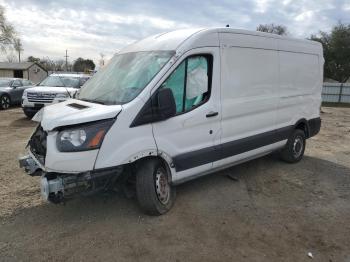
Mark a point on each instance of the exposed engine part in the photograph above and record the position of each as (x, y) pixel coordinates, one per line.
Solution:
(29, 165)
(37, 144)
(53, 187)
(57, 187)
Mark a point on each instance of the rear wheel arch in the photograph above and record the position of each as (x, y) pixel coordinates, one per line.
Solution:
(303, 125)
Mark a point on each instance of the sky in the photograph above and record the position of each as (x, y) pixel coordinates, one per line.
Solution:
(87, 28)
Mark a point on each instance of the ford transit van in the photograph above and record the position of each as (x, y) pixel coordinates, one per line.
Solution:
(176, 106)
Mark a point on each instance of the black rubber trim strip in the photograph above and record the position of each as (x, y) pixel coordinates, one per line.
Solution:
(215, 153)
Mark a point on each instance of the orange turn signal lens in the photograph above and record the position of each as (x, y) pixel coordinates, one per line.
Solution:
(96, 140)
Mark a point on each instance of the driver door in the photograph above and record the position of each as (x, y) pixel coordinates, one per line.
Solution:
(191, 136)
(17, 90)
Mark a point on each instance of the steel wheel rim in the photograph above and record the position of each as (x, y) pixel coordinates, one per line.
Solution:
(298, 146)
(5, 102)
(162, 186)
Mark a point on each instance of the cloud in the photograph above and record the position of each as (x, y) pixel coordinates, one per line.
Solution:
(88, 27)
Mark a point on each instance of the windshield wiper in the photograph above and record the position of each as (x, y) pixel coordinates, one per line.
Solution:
(68, 92)
(92, 101)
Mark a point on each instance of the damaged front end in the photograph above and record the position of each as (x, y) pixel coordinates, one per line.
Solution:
(59, 187)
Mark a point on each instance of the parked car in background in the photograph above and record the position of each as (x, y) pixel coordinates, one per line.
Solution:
(53, 89)
(11, 91)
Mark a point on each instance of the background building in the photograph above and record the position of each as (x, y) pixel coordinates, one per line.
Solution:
(26, 70)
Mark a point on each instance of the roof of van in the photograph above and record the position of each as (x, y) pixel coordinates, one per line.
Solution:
(202, 36)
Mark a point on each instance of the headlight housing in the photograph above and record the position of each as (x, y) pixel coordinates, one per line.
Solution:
(83, 137)
(24, 95)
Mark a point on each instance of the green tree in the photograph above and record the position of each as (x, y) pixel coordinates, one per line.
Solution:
(336, 50)
(7, 32)
(273, 29)
(81, 65)
(33, 59)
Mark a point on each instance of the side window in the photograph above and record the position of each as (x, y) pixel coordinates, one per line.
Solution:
(27, 83)
(17, 83)
(190, 82)
(176, 82)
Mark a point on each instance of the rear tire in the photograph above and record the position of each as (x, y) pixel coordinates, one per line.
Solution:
(154, 193)
(5, 102)
(293, 152)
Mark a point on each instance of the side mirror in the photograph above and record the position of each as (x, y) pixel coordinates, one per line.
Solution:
(166, 103)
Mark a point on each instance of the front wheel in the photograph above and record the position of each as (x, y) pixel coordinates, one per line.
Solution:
(154, 193)
(29, 114)
(5, 102)
(294, 150)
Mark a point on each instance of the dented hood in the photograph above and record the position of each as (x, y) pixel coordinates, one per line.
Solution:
(73, 112)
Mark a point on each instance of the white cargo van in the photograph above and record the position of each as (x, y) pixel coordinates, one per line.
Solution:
(53, 89)
(177, 106)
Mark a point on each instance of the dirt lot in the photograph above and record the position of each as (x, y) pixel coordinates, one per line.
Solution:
(274, 212)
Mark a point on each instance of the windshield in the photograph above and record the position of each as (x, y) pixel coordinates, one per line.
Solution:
(124, 77)
(4, 83)
(61, 81)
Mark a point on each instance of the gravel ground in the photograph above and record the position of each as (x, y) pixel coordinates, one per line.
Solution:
(273, 212)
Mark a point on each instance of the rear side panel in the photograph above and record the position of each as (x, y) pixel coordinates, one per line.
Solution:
(249, 97)
(300, 83)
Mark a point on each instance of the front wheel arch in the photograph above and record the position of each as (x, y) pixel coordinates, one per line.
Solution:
(165, 162)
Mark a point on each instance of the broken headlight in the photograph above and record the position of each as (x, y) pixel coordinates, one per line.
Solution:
(83, 137)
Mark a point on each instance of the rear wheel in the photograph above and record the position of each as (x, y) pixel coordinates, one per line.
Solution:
(5, 102)
(154, 193)
(294, 150)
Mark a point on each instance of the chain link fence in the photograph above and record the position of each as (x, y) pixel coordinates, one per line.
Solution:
(336, 93)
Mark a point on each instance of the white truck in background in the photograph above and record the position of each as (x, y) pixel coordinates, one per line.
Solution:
(53, 89)
(176, 106)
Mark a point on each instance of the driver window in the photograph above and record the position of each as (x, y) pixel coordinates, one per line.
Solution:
(190, 82)
(16, 83)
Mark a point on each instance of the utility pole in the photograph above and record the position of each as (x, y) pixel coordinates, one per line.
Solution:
(66, 56)
(102, 61)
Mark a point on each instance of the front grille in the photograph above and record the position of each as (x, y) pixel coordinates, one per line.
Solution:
(40, 97)
(37, 144)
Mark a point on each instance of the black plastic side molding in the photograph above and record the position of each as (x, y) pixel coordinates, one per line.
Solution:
(314, 126)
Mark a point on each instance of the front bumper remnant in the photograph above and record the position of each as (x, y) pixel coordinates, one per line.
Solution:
(29, 165)
(58, 187)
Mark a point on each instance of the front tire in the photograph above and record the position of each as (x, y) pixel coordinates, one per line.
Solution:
(29, 114)
(154, 193)
(5, 102)
(293, 152)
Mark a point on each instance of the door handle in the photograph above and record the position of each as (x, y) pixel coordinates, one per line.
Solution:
(211, 114)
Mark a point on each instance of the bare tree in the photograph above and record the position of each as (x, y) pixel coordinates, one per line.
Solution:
(11, 58)
(272, 29)
(17, 45)
(7, 32)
